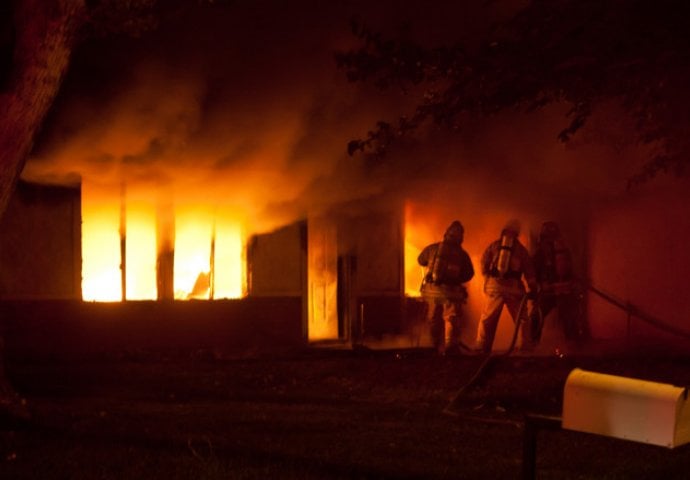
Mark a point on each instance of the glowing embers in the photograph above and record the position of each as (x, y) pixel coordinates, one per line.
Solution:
(208, 255)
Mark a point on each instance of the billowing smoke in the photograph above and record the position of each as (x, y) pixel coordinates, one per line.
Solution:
(241, 105)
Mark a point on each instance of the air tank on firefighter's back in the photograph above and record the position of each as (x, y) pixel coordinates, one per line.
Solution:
(503, 262)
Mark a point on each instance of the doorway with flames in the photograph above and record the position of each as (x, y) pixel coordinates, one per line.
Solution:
(355, 291)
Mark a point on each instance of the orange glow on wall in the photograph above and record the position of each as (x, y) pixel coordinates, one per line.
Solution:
(203, 239)
(323, 287)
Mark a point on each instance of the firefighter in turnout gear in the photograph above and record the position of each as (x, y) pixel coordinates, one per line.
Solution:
(448, 267)
(557, 287)
(506, 267)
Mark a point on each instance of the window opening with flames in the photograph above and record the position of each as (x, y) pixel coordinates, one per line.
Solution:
(121, 248)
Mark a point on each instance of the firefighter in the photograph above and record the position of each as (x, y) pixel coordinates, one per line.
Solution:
(557, 287)
(506, 267)
(448, 267)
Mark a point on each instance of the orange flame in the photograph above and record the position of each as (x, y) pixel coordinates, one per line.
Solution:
(202, 240)
(101, 253)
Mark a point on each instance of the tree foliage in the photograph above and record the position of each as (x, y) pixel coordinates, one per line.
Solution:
(582, 52)
(37, 38)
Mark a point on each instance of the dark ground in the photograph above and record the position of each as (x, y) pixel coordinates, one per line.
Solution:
(317, 414)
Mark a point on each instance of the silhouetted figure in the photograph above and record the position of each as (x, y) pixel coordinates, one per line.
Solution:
(504, 264)
(557, 287)
(448, 267)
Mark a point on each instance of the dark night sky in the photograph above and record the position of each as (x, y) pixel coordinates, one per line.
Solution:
(243, 103)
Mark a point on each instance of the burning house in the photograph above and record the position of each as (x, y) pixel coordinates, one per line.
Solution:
(111, 270)
(303, 278)
(201, 196)
(341, 278)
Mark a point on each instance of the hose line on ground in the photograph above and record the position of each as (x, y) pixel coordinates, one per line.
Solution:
(489, 357)
(627, 307)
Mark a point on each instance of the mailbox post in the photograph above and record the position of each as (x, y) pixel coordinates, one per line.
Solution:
(612, 406)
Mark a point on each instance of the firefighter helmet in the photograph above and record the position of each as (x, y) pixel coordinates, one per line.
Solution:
(512, 228)
(454, 231)
(550, 230)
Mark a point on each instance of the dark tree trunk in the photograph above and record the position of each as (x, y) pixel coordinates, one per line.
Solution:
(36, 45)
(43, 35)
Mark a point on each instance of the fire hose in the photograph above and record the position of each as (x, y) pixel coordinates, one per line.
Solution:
(629, 308)
(636, 312)
(488, 358)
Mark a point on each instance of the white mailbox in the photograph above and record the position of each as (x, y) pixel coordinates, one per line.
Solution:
(627, 408)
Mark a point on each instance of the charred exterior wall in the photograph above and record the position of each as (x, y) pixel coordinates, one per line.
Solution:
(72, 330)
(276, 262)
(40, 243)
(639, 255)
(40, 280)
(367, 264)
(277, 268)
(347, 267)
(42, 315)
(380, 274)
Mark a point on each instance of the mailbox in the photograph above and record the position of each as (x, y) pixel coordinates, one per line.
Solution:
(626, 408)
